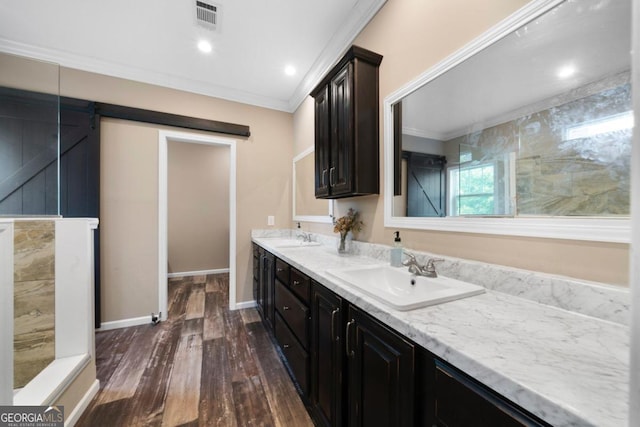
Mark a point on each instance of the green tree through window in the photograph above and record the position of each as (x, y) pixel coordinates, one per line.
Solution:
(476, 190)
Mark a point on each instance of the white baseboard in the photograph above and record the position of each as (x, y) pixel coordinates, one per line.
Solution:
(197, 273)
(125, 323)
(77, 412)
(245, 304)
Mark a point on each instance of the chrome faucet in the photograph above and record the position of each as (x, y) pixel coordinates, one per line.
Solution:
(428, 270)
(306, 237)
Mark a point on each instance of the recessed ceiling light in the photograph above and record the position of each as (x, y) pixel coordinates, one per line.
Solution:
(204, 46)
(566, 71)
(289, 70)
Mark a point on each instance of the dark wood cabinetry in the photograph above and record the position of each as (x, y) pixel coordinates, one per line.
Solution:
(381, 366)
(327, 357)
(460, 402)
(347, 127)
(263, 283)
(353, 370)
(292, 320)
(294, 312)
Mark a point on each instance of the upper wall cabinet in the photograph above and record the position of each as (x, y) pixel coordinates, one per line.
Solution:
(347, 127)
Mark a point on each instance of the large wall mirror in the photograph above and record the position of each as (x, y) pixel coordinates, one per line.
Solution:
(525, 131)
(305, 205)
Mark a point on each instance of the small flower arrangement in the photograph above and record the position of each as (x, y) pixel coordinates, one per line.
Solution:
(347, 223)
(344, 225)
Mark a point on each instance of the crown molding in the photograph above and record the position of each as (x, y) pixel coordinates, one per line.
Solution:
(341, 40)
(112, 69)
(337, 46)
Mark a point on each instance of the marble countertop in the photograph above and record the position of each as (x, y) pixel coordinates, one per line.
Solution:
(567, 368)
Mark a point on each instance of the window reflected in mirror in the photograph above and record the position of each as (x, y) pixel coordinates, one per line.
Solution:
(537, 124)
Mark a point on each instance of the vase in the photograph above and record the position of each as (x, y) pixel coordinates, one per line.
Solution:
(342, 245)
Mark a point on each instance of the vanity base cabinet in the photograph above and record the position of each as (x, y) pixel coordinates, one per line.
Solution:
(263, 280)
(460, 402)
(292, 319)
(327, 357)
(353, 370)
(296, 357)
(257, 289)
(381, 369)
(267, 283)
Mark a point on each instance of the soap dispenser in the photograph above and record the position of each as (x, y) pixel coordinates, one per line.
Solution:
(396, 251)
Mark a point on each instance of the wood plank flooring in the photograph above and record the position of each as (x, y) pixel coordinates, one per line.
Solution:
(204, 366)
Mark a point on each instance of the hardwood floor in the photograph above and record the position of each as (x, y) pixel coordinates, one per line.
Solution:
(204, 366)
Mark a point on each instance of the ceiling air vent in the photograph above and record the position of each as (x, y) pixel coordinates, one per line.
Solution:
(207, 14)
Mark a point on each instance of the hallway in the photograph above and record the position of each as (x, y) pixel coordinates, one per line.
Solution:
(205, 366)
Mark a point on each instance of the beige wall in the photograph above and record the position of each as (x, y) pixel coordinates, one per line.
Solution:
(128, 219)
(412, 36)
(198, 213)
(303, 130)
(22, 73)
(130, 160)
(129, 265)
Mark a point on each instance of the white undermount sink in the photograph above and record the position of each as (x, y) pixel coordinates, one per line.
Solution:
(290, 243)
(396, 287)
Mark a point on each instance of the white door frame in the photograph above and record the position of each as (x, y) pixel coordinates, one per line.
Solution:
(163, 138)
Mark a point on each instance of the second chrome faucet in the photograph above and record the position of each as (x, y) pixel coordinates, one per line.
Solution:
(428, 270)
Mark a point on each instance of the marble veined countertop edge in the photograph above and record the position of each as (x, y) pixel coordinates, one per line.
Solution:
(567, 368)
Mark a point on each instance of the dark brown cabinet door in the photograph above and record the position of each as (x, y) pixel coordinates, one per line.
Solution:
(381, 373)
(322, 141)
(340, 170)
(295, 356)
(267, 288)
(461, 402)
(327, 357)
(293, 312)
(258, 254)
(347, 127)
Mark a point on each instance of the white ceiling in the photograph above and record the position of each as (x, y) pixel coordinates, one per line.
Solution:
(154, 41)
(520, 70)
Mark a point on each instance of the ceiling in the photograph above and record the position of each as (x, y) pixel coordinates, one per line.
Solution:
(155, 41)
(519, 72)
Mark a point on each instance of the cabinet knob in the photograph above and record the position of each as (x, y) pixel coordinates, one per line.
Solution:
(285, 346)
(286, 307)
(296, 283)
(279, 270)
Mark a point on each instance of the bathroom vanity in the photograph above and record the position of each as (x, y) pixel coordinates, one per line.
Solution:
(489, 359)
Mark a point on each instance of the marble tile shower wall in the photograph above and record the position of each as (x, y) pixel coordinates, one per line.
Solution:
(560, 174)
(34, 298)
(607, 302)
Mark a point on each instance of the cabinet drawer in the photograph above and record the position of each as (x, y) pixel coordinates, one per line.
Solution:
(297, 357)
(300, 285)
(294, 313)
(461, 402)
(282, 271)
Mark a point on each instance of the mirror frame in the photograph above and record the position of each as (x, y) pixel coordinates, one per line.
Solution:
(326, 219)
(601, 229)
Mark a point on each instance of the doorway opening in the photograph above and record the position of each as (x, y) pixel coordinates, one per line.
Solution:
(164, 137)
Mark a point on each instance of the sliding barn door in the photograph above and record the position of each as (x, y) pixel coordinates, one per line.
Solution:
(29, 159)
